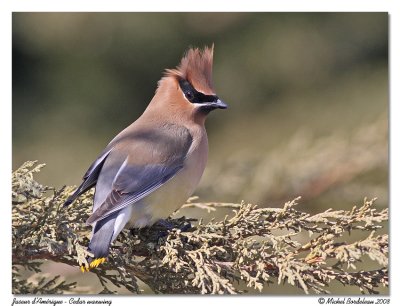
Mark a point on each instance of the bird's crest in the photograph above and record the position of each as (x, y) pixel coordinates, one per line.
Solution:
(196, 67)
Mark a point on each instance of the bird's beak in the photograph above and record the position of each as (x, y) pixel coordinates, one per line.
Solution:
(219, 104)
(209, 106)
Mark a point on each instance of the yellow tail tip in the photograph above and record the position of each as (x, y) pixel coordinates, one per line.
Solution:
(94, 264)
(84, 268)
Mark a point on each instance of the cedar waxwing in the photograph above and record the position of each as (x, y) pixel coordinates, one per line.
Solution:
(151, 168)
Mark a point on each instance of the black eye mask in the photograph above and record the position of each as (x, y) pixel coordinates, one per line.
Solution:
(193, 95)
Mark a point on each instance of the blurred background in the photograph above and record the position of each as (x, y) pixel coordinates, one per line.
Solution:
(307, 95)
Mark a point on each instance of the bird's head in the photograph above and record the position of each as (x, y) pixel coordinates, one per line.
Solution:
(188, 88)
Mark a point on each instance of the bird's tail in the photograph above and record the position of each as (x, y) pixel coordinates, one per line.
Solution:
(72, 197)
(100, 242)
(85, 186)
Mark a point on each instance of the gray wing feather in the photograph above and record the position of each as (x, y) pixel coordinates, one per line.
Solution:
(132, 184)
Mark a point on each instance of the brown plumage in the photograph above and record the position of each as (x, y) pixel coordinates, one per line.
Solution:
(196, 67)
(149, 169)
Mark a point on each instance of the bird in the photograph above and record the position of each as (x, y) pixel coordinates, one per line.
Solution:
(153, 166)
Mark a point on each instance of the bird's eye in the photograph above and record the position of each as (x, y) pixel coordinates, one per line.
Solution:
(189, 95)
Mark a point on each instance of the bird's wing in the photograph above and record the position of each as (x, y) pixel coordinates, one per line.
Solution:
(132, 184)
(90, 177)
(150, 160)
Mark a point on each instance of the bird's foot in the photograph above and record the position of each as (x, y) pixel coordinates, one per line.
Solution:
(168, 226)
(185, 227)
(176, 224)
(161, 228)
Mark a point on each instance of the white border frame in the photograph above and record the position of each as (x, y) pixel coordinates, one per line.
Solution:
(9, 6)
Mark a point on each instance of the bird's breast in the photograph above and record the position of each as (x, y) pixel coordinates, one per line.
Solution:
(174, 193)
